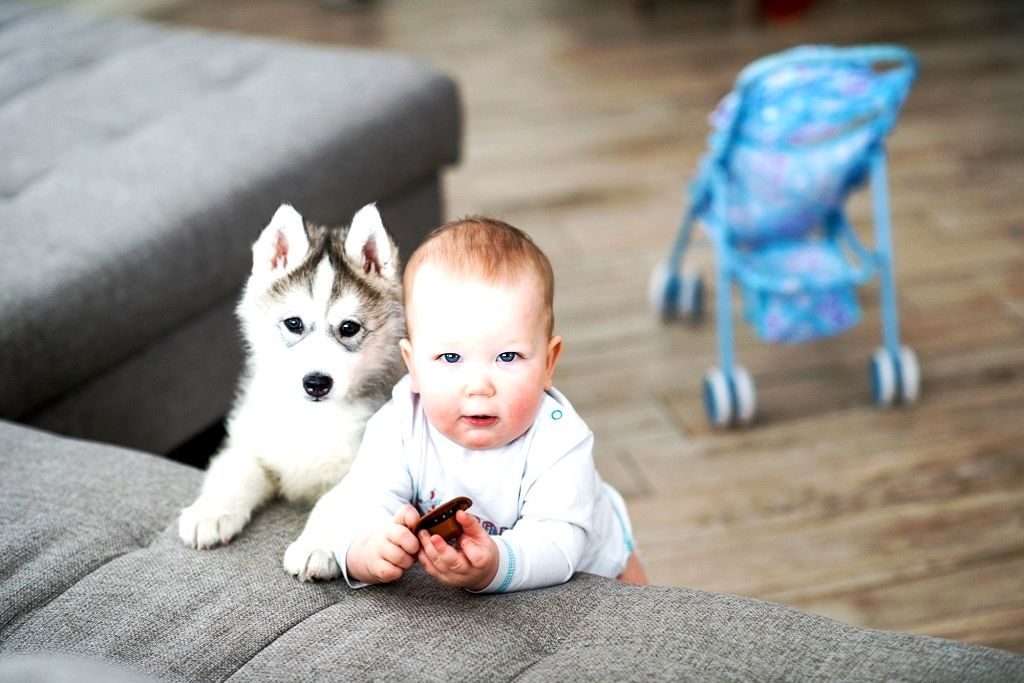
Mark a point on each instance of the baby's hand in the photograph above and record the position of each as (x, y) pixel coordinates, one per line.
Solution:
(386, 553)
(471, 565)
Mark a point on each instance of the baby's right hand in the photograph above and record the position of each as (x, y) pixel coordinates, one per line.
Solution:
(386, 553)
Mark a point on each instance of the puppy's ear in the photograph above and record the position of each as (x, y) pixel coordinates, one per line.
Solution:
(282, 245)
(368, 245)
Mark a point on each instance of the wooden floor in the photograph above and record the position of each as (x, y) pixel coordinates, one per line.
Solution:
(583, 121)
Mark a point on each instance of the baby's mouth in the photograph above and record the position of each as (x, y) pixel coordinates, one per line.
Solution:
(480, 420)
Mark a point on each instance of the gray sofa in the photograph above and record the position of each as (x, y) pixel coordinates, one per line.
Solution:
(139, 163)
(91, 566)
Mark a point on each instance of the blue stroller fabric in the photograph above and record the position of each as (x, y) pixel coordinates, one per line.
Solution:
(810, 300)
(789, 144)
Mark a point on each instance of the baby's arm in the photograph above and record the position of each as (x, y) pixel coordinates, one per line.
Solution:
(384, 554)
(471, 564)
(546, 545)
(371, 530)
(536, 554)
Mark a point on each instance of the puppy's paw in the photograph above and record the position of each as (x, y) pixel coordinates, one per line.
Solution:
(204, 527)
(310, 562)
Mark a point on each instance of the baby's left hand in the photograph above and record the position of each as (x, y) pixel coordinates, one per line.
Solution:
(471, 565)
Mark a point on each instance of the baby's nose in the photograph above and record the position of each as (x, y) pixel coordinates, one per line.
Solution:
(480, 384)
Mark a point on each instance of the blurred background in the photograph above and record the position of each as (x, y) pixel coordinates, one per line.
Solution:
(584, 120)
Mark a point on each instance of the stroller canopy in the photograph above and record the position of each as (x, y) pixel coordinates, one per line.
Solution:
(796, 134)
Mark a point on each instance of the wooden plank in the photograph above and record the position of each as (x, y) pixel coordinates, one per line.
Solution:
(853, 465)
(791, 561)
(961, 599)
(1001, 628)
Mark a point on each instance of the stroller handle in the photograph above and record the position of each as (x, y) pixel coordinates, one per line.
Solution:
(812, 54)
(752, 75)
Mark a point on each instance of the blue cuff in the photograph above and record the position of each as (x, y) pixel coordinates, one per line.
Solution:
(506, 567)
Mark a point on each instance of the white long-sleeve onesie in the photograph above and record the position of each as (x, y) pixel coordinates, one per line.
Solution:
(539, 496)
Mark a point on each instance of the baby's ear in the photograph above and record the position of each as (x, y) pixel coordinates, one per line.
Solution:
(282, 245)
(554, 351)
(406, 346)
(369, 246)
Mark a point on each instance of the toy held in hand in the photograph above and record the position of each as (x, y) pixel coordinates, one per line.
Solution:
(441, 520)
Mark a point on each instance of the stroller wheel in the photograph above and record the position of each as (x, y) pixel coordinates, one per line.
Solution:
(717, 398)
(910, 375)
(673, 296)
(691, 297)
(729, 400)
(745, 395)
(883, 377)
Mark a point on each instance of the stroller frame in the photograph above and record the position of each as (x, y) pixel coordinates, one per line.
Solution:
(729, 394)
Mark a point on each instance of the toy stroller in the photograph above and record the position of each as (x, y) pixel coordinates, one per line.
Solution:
(799, 132)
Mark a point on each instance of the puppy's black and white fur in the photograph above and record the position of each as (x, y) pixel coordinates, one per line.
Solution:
(322, 317)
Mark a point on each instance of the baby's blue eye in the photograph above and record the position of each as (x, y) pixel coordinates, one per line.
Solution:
(508, 356)
(451, 357)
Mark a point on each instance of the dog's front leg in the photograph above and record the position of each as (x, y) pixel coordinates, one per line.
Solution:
(311, 556)
(234, 486)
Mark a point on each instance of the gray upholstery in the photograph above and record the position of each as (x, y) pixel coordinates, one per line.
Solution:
(140, 162)
(91, 566)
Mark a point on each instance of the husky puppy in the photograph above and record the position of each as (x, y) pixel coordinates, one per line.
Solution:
(322, 316)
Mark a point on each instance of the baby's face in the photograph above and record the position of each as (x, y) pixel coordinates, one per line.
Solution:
(479, 356)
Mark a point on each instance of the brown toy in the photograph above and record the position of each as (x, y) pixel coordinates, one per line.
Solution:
(441, 520)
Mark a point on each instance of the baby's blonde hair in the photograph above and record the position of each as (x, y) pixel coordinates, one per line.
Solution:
(486, 248)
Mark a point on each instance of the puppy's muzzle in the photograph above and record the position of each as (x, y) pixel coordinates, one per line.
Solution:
(317, 384)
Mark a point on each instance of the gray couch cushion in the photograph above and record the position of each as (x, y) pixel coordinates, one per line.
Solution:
(140, 162)
(91, 566)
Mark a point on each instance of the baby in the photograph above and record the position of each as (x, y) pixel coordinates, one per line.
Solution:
(477, 416)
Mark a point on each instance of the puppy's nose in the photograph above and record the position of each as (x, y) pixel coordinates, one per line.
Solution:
(317, 384)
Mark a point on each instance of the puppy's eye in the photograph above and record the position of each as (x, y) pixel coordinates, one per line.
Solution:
(294, 325)
(349, 328)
